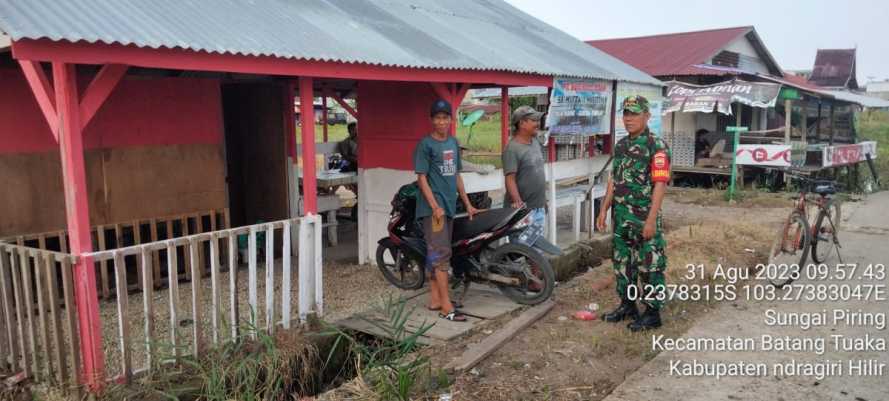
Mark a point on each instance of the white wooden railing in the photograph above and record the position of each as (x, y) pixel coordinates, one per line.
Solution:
(226, 322)
(38, 320)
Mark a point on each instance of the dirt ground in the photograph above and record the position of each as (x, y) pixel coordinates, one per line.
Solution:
(559, 358)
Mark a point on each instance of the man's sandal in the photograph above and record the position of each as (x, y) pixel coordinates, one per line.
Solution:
(453, 316)
(457, 305)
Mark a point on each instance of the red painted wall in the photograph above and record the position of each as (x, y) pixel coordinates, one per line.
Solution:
(141, 111)
(393, 117)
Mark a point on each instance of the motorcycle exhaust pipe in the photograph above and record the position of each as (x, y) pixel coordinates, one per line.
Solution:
(498, 278)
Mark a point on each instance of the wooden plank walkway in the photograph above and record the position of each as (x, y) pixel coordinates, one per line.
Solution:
(481, 303)
(474, 353)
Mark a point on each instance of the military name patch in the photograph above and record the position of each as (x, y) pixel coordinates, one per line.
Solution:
(660, 160)
(660, 167)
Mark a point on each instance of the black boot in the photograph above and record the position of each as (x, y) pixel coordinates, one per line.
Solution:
(626, 310)
(650, 319)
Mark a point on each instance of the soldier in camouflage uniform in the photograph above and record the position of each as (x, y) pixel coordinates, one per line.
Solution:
(640, 171)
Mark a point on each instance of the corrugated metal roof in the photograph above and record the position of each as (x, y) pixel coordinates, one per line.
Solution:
(465, 34)
(796, 81)
(800, 82)
(513, 91)
(865, 101)
(673, 53)
(835, 68)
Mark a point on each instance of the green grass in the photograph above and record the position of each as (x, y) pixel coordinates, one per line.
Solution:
(874, 125)
(485, 135)
(335, 133)
(390, 365)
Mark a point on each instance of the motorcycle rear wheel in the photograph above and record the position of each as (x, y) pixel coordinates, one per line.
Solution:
(399, 269)
(532, 263)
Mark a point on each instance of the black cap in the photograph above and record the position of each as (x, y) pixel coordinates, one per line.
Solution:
(440, 106)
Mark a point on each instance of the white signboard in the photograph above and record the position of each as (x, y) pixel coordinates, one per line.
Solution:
(764, 155)
(579, 107)
(655, 103)
(839, 155)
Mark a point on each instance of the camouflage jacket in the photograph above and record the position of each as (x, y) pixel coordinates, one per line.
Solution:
(636, 160)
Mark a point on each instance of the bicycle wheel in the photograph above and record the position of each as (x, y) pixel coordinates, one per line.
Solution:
(826, 227)
(791, 246)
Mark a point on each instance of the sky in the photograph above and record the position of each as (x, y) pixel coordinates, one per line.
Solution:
(791, 30)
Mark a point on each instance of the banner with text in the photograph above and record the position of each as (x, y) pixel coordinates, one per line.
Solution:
(839, 155)
(764, 155)
(691, 98)
(579, 107)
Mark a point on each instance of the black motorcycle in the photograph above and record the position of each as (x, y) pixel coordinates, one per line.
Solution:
(519, 271)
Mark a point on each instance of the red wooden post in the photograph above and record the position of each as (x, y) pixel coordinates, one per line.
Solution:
(504, 117)
(551, 144)
(77, 214)
(551, 149)
(324, 116)
(452, 89)
(307, 120)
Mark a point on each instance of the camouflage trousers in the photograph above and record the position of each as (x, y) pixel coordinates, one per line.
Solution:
(636, 259)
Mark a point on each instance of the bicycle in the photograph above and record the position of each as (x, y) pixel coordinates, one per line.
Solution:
(794, 241)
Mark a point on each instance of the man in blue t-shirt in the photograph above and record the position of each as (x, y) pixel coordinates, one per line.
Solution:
(437, 164)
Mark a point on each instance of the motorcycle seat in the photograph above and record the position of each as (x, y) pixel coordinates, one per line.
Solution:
(824, 187)
(482, 222)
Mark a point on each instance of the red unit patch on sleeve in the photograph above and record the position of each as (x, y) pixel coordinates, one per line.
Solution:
(660, 167)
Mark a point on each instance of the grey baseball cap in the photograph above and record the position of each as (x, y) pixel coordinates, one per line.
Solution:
(524, 112)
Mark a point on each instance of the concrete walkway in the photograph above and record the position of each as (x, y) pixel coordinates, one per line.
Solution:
(865, 238)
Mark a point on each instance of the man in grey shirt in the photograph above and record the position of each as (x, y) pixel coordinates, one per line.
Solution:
(525, 176)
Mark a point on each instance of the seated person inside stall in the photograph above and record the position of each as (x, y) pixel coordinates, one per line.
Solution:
(348, 149)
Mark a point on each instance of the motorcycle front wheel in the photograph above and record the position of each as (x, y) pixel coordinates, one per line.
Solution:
(399, 269)
(535, 274)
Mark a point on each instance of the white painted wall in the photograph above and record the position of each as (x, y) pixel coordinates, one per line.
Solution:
(742, 45)
(750, 60)
(377, 186)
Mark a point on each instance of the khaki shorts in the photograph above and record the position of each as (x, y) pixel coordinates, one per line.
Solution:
(438, 244)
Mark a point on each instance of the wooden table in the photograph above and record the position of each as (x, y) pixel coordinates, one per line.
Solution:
(330, 203)
(333, 178)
